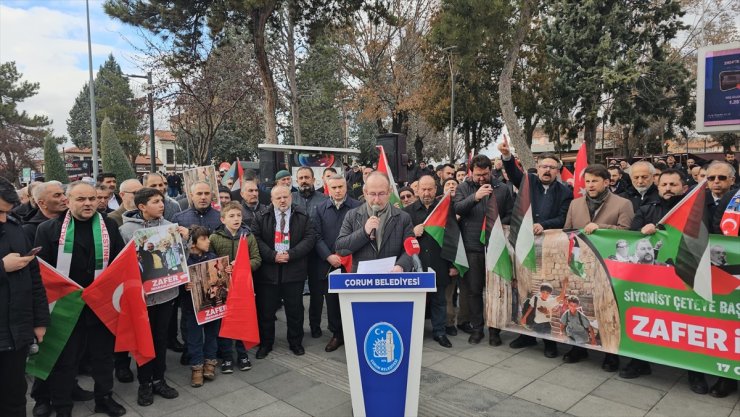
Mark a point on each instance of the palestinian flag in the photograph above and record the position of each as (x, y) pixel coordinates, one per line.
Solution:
(498, 258)
(117, 298)
(684, 222)
(574, 256)
(240, 320)
(579, 182)
(521, 235)
(65, 306)
(238, 177)
(384, 168)
(442, 227)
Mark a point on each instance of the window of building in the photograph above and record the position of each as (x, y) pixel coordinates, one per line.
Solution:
(170, 157)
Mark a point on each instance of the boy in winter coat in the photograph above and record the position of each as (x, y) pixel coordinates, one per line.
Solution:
(149, 213)
(225, 242)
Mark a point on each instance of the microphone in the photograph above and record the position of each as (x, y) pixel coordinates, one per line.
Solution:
(411, 245)
(375, 209)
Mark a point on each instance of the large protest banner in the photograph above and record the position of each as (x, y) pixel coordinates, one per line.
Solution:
(618, 292)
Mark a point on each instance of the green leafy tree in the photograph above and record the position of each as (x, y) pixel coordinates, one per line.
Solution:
(114, 159)
(53, 163)
(321, 93)
(600, 48)
(113, 99)
(20, 133)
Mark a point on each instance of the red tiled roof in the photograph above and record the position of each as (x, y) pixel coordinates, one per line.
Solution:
(162, 135)
(144, 160)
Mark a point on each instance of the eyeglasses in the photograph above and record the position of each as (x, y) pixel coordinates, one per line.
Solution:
(711, 178)
(405, 196)
(381, 194)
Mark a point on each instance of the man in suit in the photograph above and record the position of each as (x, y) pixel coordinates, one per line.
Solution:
(598, 209)
(376, 230)
(286, 238)
(328, 221)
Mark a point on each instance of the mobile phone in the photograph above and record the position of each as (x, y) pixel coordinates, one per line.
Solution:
(33, 251)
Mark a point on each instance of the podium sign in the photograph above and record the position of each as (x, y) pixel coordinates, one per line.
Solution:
(383, 324)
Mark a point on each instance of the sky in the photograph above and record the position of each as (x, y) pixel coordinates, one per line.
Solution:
(47, 39)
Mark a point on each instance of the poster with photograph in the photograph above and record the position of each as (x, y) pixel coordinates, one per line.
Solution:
(205, 174)
(162, 260)
(623, 292)
(209, 288)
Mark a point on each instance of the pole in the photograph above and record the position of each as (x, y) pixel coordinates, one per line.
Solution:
(93, 122)
(452, 110)
(152, 148)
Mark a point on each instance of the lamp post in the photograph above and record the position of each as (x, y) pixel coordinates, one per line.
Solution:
(93, 122)
(448, 50)
(150, 98)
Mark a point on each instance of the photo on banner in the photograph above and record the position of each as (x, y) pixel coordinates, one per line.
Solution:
(162, 259)
(209, 288)
(622, 292)
(205, 174)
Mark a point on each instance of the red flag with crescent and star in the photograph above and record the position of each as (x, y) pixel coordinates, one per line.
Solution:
(117, 298)
(730, 223)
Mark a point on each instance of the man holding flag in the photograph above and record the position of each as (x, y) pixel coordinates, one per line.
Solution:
(25, 315)
(431, 252)
(81, 243)
(550, 200)
(329, 217)
(471, 200)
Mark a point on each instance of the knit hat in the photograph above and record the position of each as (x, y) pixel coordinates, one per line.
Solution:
(281, 174)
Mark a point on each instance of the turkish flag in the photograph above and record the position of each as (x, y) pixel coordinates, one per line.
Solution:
(566, 175)
(346, 262)
(117, 298)
(579, 183)
(240, 320)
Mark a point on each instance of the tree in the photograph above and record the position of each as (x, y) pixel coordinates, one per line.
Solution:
(111, 153)
(191, 26)
(53, 163)
(19, 132)
(727, 140)
(322, 96)
(601, 47)
(113, 99)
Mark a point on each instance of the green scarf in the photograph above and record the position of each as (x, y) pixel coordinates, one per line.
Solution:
(101, 241)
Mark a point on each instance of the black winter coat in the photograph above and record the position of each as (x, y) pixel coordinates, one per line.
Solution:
(651, 196)
(652, 213)
(472, 212)
(23, 303)
(302, 240)
(550, 208)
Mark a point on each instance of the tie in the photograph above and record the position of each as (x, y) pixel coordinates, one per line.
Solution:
(282, 222)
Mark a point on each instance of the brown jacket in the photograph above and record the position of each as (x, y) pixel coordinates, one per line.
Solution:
(615, 213)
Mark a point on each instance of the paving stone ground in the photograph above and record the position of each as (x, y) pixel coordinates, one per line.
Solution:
(466, 380)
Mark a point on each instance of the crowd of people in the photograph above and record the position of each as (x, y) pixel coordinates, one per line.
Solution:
(296, 236)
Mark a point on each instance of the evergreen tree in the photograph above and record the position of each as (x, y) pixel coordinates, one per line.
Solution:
(114, 159)
(113, 99)
(53, 163)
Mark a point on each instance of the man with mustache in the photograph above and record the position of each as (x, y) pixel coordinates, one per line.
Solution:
(550, 201)
(643, 190)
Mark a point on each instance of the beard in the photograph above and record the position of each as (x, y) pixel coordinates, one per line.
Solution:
(642, 190)
(646, 258)
(306, 190)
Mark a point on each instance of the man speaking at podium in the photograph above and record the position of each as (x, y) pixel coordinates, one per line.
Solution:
(376, 230)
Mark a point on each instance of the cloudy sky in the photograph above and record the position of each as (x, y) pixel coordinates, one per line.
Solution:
(47, 39)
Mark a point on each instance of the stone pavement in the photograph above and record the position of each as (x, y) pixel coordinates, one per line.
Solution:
(463, 381)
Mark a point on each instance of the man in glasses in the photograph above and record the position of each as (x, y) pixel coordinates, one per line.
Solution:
(720, 180)
(407, 196)
(550, 201)
(376, 230)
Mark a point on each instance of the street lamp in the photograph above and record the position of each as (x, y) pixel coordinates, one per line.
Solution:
(150, 98)
(93, 122)
(448, 50)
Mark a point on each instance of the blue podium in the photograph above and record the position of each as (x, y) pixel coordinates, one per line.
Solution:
(383, 324)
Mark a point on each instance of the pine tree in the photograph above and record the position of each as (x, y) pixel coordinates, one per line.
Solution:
(114, 159)
(53, 162)
(113, 99)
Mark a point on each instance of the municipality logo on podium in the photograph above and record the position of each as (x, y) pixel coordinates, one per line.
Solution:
(383, 348)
